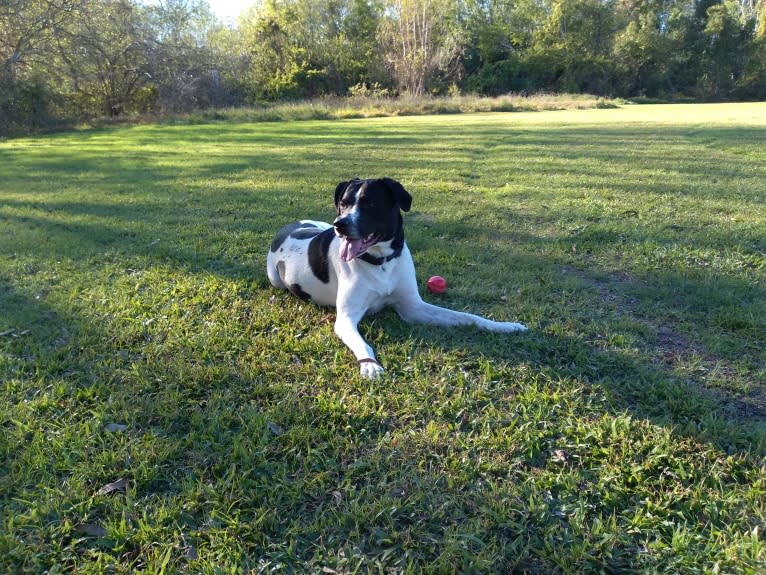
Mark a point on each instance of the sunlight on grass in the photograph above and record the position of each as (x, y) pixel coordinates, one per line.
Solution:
(140, 341)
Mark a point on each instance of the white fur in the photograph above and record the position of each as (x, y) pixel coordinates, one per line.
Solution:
(357, 288)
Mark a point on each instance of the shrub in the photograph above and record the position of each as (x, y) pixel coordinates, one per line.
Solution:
(25, 105)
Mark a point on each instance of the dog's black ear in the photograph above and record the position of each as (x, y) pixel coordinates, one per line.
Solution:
(339, 189)
(400, 195)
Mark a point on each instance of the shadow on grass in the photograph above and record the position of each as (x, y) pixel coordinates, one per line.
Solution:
(290, 455)
(661, 375)
(185, 229)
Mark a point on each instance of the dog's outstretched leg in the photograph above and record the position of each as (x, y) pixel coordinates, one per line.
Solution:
(412, 309)
(418, 311)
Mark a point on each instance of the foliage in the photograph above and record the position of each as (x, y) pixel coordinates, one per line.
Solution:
(164, 410)
(26, 42)
(103, 63)
(417, 42)
(190, 65)
(75, 59)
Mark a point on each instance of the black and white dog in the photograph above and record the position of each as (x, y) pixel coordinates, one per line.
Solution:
(360, 264)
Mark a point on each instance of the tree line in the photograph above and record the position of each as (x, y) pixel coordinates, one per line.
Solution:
(69, 59)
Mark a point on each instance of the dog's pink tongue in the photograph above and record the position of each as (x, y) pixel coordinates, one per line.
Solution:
(349, 249)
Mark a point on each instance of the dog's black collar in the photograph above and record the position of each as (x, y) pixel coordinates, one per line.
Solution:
(379, 261)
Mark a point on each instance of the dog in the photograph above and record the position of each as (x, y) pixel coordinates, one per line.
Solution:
(361, 264)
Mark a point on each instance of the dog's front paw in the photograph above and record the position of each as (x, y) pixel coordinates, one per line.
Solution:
(370, 369)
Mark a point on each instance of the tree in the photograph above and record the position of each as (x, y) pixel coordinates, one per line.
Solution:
(103, 56)
(575, 40)
(181, 61)
(645, 47)
(759, 8)
(273, 60)
(360, 59)
(27, 30)
(416, 36)
(305, 48)
(498, 37)
(68, 59)
(726, 35)
(497, 29)
(578, 28)
(716, 40)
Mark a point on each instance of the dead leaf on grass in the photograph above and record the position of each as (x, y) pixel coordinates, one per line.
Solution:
(398, 493)
(119, 485)
(92, 529)
(560, 456)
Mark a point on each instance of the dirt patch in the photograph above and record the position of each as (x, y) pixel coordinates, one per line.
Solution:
(676, 352)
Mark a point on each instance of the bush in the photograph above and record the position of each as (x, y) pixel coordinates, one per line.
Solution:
(374, 90)
(596, 75)
(752, 84)
(530, 73)
(25, 105)
(499, 78)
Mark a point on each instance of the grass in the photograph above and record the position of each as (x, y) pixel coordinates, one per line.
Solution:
(165, 411)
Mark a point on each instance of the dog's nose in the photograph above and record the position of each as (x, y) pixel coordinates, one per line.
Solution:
(342, 225)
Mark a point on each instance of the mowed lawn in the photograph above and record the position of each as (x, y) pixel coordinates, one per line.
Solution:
(164, 410)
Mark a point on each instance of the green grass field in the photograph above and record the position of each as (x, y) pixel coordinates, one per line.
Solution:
(165, 411)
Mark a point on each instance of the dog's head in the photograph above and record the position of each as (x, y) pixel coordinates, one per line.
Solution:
(368, 213)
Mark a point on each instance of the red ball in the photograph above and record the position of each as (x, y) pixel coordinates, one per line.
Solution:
(437, 284)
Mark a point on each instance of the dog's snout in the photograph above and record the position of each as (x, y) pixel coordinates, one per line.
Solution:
(342, 224)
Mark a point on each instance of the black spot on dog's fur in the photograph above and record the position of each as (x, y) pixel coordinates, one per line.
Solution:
(297, 290)
(285, 233)
(305, 233)
(319, 259)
